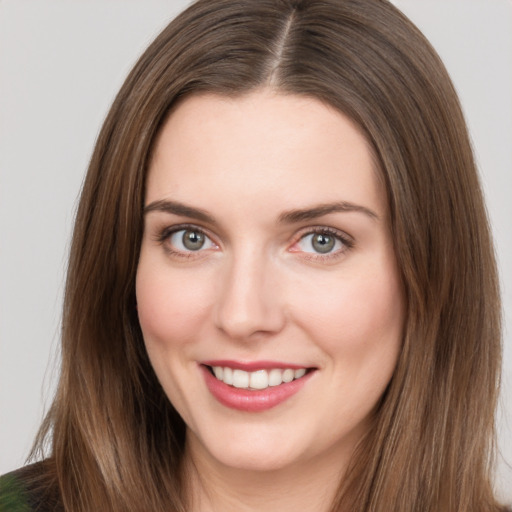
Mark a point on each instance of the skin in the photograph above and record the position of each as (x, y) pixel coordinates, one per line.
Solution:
(259, 290)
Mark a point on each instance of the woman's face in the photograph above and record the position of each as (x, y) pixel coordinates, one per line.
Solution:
(267, 286)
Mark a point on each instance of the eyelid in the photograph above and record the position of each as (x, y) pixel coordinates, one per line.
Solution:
(163, 236)
(346, 240)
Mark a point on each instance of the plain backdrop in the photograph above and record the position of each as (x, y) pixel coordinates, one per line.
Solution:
(61, 63)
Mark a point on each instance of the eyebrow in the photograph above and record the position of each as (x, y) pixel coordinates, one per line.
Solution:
(176, 208)
(288, 217)
(300, 215)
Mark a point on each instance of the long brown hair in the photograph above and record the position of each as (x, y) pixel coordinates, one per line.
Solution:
(116, 441)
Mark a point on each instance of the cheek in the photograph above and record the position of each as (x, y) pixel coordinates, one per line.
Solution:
(170, 305)
(171, 308)
(359, 317)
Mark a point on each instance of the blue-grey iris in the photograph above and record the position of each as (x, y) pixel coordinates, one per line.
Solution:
(323, 243)
(193, 240)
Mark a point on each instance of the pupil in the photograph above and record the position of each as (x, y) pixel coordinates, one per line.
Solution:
(323, 243)
(193, 240)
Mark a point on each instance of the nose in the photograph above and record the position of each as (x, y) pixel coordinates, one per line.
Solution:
(249, 303)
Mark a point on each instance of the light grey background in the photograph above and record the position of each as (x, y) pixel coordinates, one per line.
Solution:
(61, 63)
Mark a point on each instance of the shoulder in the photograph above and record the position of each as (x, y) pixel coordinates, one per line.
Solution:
(27, 490)
(13, 493)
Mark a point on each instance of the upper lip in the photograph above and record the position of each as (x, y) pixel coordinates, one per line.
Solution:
(251, 366)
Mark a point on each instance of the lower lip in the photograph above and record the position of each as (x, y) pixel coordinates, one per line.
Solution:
(252, 401)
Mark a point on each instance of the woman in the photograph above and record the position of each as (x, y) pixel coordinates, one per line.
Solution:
(281, 288)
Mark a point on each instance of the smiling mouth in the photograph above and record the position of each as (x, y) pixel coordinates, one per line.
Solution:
(256, 380)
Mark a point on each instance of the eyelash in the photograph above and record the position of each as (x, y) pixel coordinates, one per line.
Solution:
(166, 233)
(346, 241)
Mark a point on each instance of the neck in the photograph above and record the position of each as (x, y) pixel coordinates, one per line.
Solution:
(308, 486)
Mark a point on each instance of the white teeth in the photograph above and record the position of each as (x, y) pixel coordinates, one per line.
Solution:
(288, 375)
(300, 373)
(275, 377)
(227, 376)
(240, 379)
(259, 379)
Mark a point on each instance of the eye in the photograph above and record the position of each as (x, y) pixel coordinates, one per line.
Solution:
(189, 240)
(323, 242)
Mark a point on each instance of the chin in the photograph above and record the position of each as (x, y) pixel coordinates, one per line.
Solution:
(248, 451)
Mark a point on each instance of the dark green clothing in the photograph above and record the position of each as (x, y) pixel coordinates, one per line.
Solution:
(13, 496)
(22, 491)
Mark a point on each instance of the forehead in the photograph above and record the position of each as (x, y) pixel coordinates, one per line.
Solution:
(285, 149)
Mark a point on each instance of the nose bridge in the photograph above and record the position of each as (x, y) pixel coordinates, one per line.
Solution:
(248, 301)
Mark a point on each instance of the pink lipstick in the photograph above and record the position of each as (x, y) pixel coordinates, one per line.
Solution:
(255, 386)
